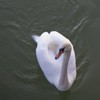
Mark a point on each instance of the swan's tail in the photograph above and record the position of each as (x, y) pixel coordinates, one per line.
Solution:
(36, 38)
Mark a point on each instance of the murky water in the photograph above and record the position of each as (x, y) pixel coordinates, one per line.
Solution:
(20, 75)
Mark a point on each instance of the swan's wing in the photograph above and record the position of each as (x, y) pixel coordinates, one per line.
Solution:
(50, 67)
(58, 38)
(72, 67)
(45, 52)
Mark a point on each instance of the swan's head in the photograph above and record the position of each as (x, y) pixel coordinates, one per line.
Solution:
(65, 49)
(64, 45)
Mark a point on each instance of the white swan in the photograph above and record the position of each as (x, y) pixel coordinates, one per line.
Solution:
(56, 58)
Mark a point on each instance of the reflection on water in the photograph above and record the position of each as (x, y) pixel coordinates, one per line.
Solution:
(20, 74)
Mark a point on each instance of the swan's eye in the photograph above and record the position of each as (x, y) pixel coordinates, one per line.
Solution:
(62, 49)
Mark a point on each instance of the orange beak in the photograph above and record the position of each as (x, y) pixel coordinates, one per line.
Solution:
(58, 54)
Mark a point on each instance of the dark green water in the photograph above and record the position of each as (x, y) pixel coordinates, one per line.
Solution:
(20, 75)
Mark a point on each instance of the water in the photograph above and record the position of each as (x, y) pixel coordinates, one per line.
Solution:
(20, 75)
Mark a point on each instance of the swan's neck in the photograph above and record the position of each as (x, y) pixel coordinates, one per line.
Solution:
(63, 81)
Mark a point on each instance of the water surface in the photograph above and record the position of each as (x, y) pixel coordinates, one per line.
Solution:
(20, 75)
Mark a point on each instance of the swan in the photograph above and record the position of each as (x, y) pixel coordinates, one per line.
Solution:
(56, 57)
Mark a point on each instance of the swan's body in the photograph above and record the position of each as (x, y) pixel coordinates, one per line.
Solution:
(59, 69)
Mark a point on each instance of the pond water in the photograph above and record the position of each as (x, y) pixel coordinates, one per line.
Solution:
(20, 75)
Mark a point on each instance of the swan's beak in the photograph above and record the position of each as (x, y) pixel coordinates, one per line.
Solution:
(58, 54)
